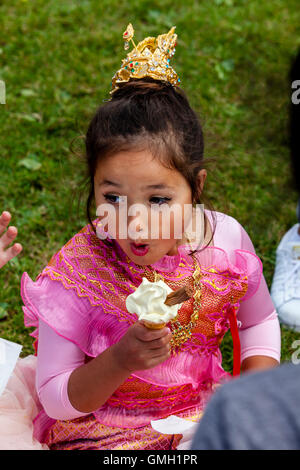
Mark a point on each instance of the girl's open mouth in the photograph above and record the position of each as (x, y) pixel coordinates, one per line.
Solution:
(139, 249)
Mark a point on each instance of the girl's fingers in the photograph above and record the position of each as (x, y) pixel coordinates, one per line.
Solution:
(145, 334)
(16, 249)
(157, 352)
(159, 359)
(4, 220)
(8, 237)
(161, 342)
(10, 253)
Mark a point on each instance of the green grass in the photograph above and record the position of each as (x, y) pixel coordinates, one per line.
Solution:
(57, 59)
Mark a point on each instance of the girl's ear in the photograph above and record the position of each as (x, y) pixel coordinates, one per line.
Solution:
(201, 177)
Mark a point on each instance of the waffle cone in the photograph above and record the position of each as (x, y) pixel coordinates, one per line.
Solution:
(154, 326)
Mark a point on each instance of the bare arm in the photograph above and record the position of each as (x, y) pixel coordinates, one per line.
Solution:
(255, 363)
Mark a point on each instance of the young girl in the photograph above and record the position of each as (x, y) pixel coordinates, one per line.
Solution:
(102, 376)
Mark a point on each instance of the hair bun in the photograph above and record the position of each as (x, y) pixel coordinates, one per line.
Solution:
(141, 86)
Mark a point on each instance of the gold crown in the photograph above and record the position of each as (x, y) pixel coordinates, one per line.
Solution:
(150, 58)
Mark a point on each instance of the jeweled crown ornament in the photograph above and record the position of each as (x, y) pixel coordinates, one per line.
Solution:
(150, 58)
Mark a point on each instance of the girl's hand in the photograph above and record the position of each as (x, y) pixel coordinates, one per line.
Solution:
(142, 348)
(6, 239)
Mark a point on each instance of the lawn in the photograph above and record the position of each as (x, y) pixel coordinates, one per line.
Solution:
(57, 59)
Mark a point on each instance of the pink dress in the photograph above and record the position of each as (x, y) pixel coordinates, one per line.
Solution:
(77, 305)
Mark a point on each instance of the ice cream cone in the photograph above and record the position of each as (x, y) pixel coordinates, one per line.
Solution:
(154, 303)
(153, 326)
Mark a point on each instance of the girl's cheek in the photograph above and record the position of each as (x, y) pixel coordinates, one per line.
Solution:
(109, 224)
(176, 226)
(167, 226)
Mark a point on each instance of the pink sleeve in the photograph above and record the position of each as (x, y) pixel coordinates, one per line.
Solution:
(259, 325)
(57, 358)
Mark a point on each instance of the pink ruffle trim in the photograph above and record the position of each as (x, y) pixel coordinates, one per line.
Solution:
(238, 264)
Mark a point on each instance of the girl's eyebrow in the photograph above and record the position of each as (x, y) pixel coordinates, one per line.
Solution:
(158, 186)
(110, 183)
(150, 186)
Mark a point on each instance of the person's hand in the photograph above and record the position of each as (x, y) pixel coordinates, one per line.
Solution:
(141, 348)
(6, 239)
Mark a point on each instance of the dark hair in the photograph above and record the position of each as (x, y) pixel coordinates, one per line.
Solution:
(152, 114)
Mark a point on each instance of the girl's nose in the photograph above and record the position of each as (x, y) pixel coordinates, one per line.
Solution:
(137, 222)
(138, 231)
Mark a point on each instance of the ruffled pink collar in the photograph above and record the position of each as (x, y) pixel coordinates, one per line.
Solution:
(171, 262)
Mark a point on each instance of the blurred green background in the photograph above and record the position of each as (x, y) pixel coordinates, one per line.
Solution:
(57, 59)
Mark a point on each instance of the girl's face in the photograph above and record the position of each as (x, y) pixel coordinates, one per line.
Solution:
(136, 177)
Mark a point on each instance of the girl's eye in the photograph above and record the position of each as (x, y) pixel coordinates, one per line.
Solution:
(112, 198)
(160, 200)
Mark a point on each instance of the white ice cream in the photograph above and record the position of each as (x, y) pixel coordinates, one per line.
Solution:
(147, 301)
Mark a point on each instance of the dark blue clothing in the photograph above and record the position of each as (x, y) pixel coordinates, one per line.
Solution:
(258, 411)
